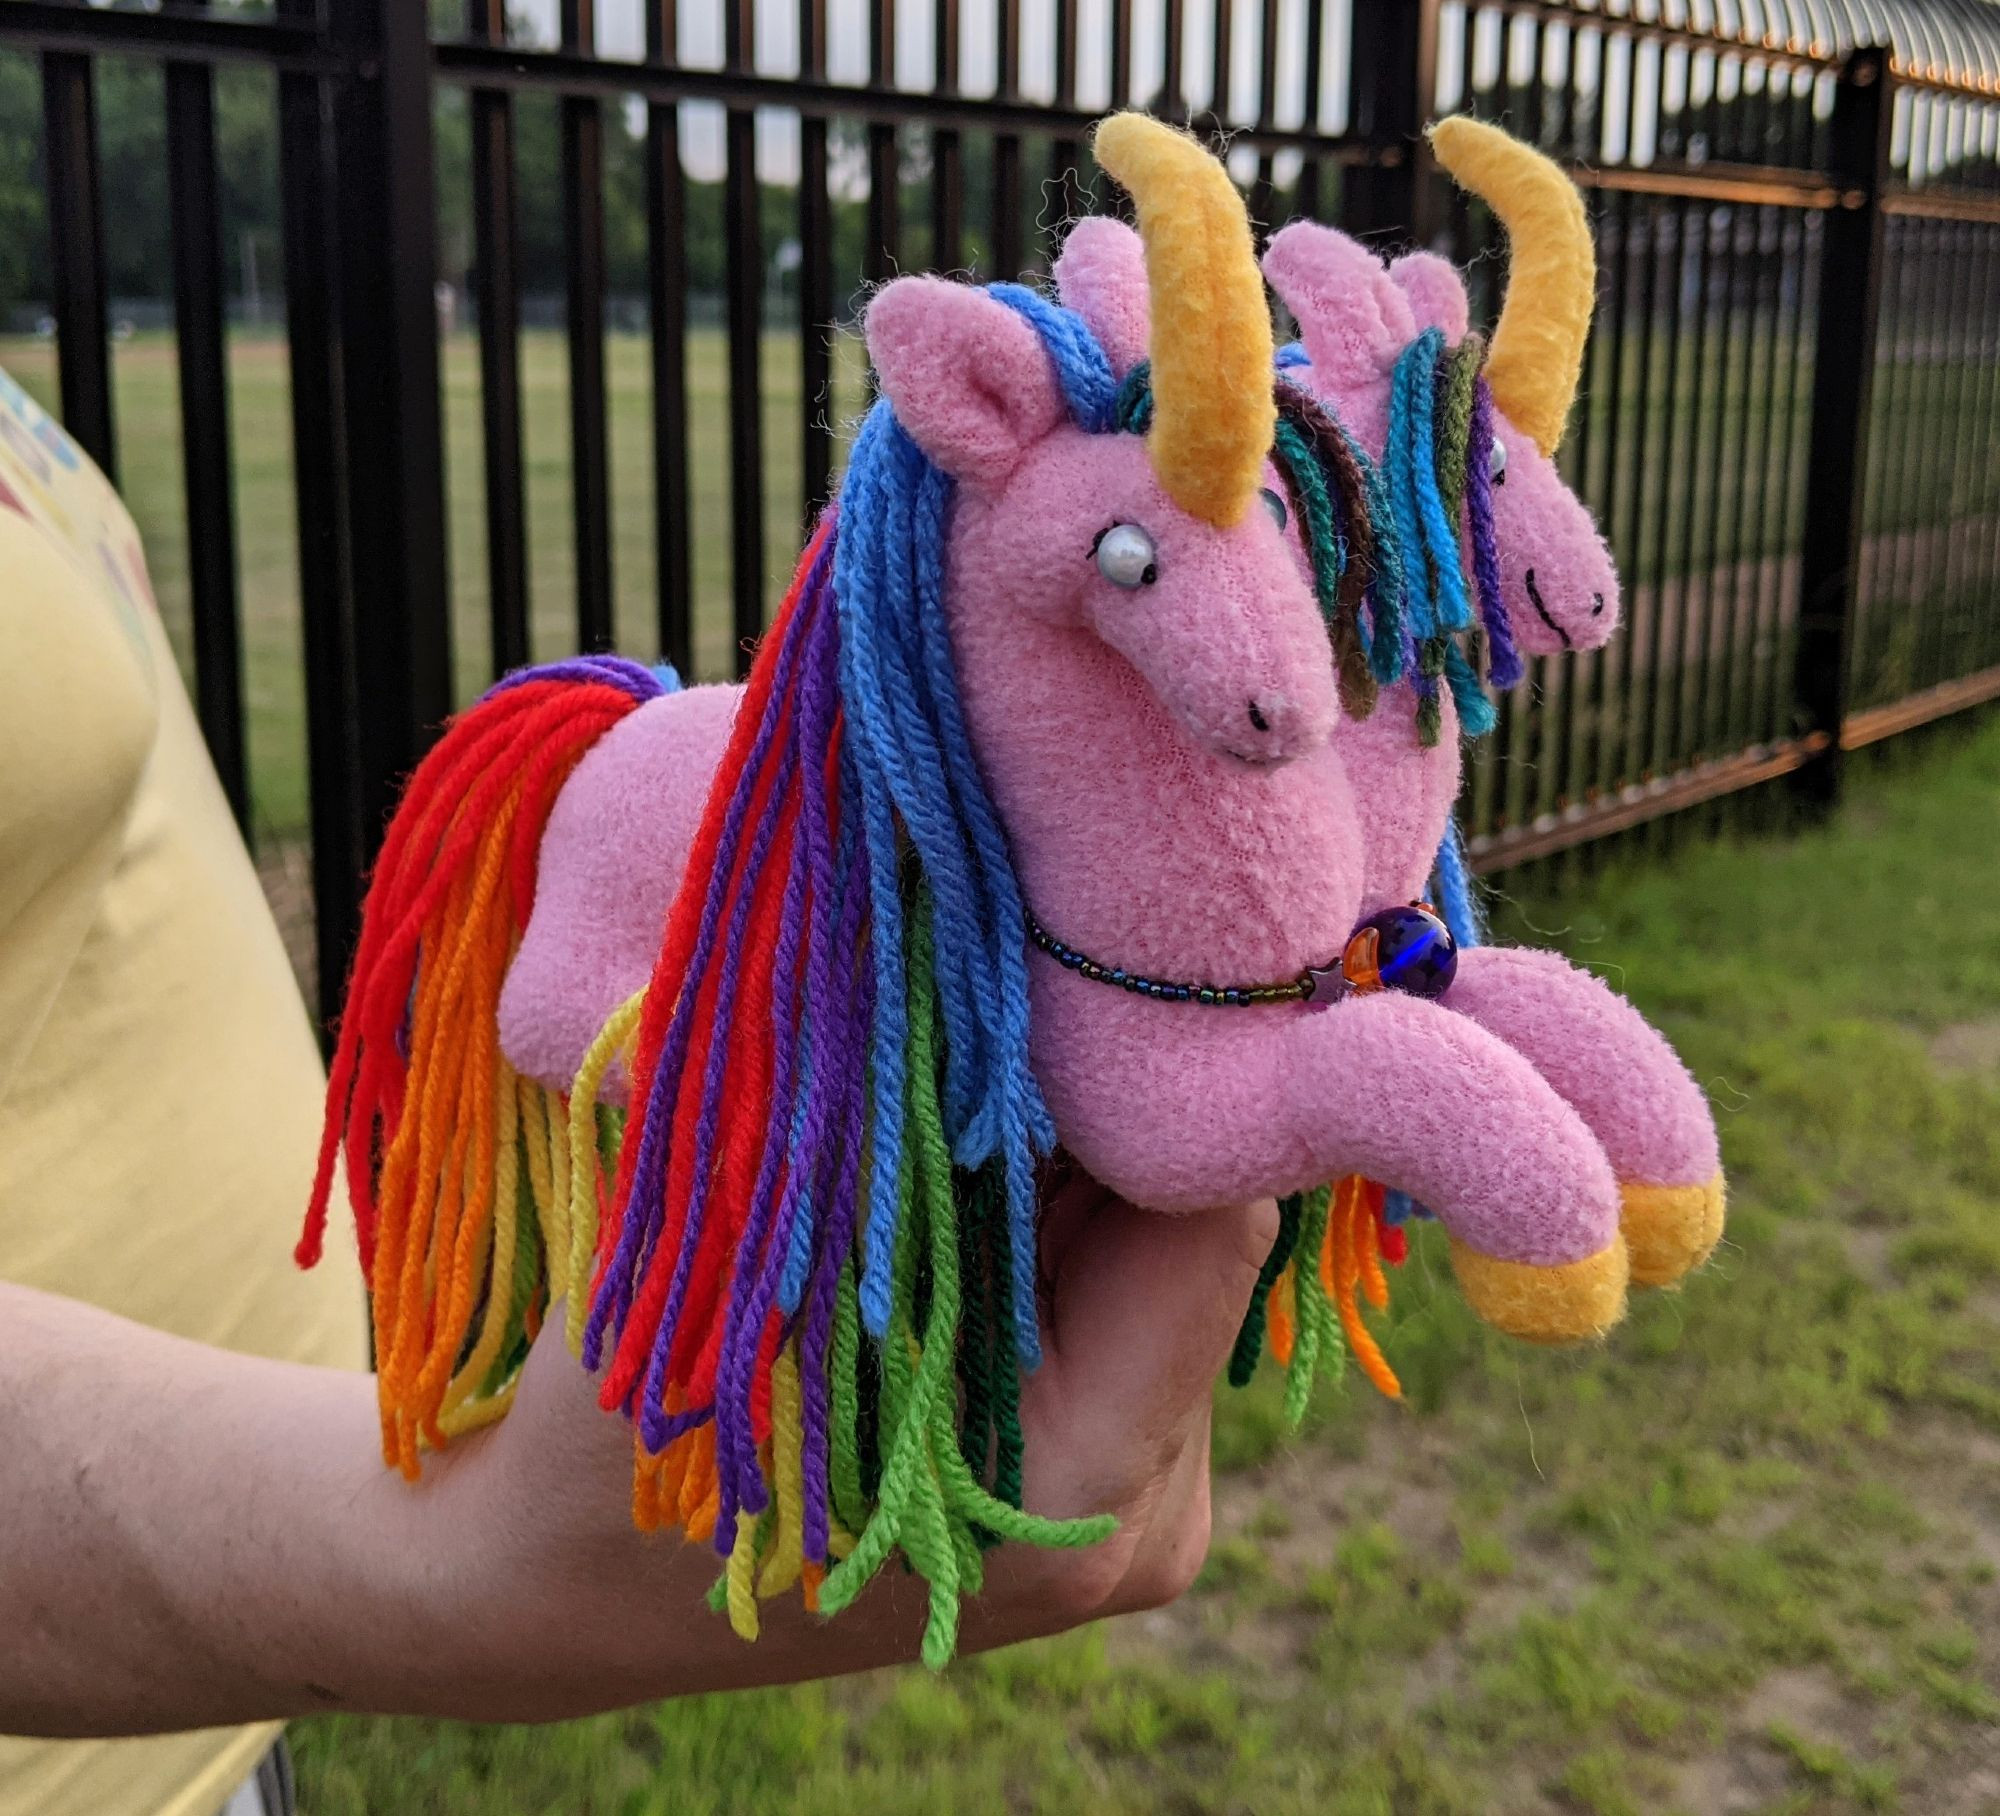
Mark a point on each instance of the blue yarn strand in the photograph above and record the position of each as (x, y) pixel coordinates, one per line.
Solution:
(1456, 894)
(1082, 369)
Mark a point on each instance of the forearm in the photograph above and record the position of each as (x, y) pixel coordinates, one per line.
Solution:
(194, 1537)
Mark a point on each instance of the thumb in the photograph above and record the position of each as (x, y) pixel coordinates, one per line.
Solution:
(1146, 1308)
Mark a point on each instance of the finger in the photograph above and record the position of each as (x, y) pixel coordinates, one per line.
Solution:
(1146, 1308)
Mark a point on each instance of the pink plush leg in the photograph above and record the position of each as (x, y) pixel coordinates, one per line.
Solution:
(1180, 1107)
(611, 860)
(1609, 1064)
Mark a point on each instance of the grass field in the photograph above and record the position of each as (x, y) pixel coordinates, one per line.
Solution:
(1743, 1558)
(1706, 486)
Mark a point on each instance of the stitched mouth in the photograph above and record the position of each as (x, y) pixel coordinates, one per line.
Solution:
(1542, 611)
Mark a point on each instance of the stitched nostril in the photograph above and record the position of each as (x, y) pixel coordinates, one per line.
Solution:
(1597, 605)
(1257, 717)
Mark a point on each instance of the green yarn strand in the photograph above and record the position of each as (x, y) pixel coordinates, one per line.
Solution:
(1249, 1345)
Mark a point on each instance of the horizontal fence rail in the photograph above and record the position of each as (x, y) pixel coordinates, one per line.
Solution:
(568, 337)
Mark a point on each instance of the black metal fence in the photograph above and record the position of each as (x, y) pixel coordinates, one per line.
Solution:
(1788, 426)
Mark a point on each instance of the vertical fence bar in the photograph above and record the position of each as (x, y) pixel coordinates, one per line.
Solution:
(589, 431)
(666, 285)
(496, 278)
(336, 787)
(201, 340)
(1173, 76)
(947, 148)
(1121, 53)
(1843, 371)
(1066, 155)
(76, 244)
(1673, 269)
(387, 236)
(1264, 190)
(744, 282)
(815, 277)
(1222, 45)
(1392, 77)
(885, 200)
(1311, 197)
(1007, 148)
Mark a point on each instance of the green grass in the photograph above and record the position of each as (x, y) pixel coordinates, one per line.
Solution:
(1744, 1556)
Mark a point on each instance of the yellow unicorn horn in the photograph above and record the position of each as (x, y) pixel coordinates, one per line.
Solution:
(1537, 351)
(1213, 415)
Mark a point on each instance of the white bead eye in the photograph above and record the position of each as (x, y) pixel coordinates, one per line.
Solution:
(1126, 556)
(1496, 464)
(1276, 506)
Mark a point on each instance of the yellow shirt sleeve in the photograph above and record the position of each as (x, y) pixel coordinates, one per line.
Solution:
(160, 1087)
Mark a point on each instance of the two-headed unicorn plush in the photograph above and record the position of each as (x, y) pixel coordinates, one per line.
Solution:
(1081, 795)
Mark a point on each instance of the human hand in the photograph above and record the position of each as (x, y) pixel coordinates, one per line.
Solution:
(556, 1605)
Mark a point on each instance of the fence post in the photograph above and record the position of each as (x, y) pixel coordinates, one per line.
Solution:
(387, 238)
(1843, 376)
(1392, 85)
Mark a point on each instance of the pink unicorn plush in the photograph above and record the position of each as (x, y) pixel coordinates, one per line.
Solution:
(741, 1018)
(1560, 593)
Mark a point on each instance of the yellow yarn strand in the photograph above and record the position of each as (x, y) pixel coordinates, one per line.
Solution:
(536, 1108)
(500, 1269)
(1213, 413)
(1536, 354)
(555, 1124)
(580, 1157)
(742, 1601)
(782, 1567)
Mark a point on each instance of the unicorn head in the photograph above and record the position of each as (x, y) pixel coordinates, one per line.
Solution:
(1174, 549)
(1365, 327)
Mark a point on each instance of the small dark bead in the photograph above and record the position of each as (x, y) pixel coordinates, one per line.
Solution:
(1184, 993)
(1207, 995)
(1074, 960)
(1118, 977)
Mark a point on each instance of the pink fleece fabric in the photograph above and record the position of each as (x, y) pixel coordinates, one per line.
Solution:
(611, 859)
(1603, 1058)
(1101, 274)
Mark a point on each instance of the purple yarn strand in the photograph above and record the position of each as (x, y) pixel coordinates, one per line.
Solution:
(760, 1261)
(645, 1209)
(1503, 656)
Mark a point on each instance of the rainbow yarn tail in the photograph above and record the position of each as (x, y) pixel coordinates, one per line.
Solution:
(1328, 1257)
(454, 1162)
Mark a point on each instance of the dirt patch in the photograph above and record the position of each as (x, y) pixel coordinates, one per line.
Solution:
(1967, 1046)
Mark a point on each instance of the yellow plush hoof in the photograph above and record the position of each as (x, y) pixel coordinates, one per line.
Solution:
(1670, 1229)
(1561, 1304)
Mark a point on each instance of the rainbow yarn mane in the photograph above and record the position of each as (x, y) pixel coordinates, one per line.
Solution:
(821, 1237)
(1436, 472)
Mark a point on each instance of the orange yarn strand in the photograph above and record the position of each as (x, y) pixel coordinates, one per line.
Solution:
(1350, 1236)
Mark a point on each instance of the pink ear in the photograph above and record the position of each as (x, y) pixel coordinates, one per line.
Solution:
(1353, 319)
(1435, 290)
(1101, 274)
(966, 376)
